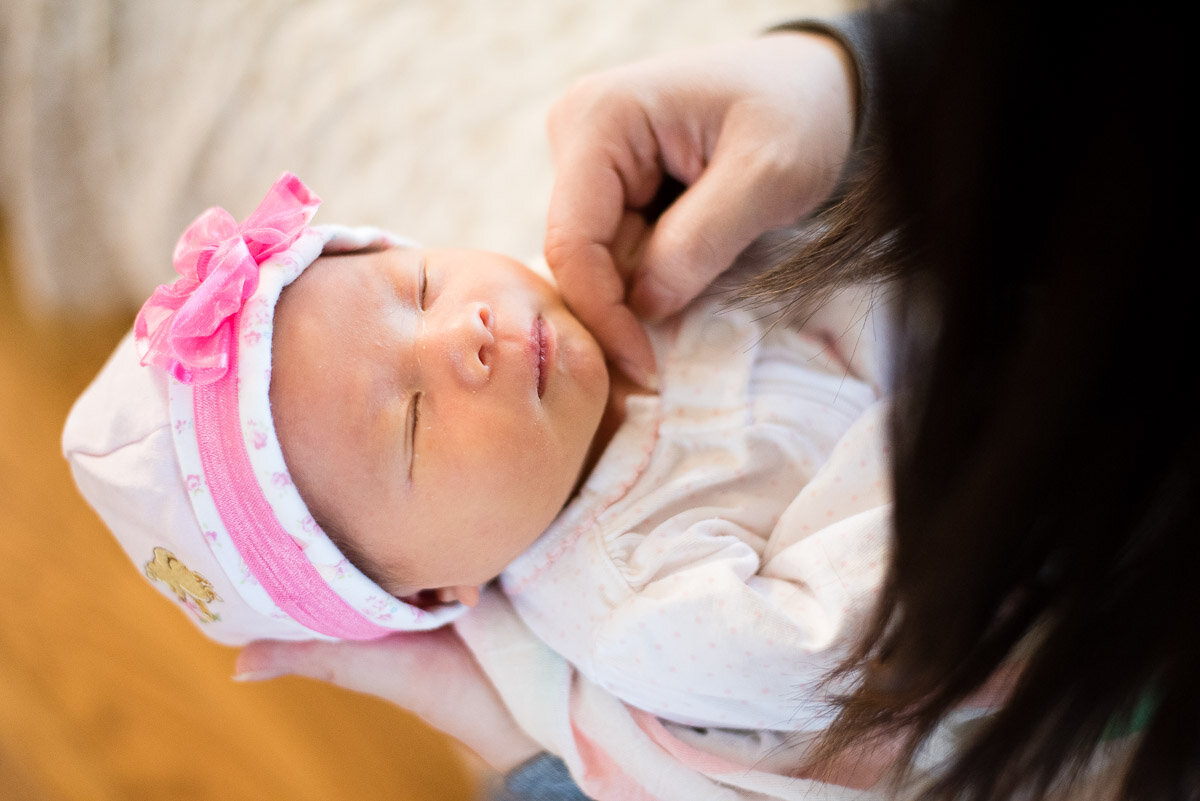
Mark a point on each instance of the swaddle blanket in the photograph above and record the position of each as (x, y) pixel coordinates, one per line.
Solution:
(616, 750)
(667, 636)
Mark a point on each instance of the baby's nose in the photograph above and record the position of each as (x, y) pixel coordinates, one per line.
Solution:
(468, 333)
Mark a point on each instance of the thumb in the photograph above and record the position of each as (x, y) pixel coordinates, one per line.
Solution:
(269, 659)
(360, 666)
(701, 234)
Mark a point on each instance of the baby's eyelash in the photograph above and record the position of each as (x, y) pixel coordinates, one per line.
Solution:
(412, 433)
(422, 282)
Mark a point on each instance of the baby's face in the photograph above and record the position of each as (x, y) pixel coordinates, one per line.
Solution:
(435, 406)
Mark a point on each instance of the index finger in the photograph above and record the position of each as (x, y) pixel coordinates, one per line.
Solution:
(586, 207)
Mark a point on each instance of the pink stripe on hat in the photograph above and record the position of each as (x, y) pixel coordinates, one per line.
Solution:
(275, 559)
(220, 477)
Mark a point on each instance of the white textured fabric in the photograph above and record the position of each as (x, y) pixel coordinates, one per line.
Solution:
(812, 576)
(122, 118)
(758, 584)
(719, 555)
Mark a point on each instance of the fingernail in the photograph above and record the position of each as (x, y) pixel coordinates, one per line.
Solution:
(647, 379)
(253, 665)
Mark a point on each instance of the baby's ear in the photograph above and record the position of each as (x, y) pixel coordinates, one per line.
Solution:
(428, 599)
(466, 594)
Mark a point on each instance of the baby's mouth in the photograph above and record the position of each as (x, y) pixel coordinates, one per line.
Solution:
(539, 330)
(541, 352)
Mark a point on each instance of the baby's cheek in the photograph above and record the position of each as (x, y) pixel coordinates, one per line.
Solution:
(517, 542)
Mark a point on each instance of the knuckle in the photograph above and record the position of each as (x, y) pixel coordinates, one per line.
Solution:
(679, 247)
(561, 247)
(312, 659)
(770, 161)
(579, 97)
(592, 96)
(580, 272)
(780, 181)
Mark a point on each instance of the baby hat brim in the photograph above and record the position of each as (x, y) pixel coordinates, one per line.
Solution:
(122, 457)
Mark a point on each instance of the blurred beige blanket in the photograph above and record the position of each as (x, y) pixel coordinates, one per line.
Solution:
(124, 119)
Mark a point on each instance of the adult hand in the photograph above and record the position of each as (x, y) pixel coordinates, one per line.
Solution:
(431, 674)
(758, 132)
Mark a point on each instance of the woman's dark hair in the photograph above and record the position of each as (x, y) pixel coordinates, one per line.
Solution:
(1031, 192)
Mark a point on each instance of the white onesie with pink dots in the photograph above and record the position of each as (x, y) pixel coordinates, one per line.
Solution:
(724, 551)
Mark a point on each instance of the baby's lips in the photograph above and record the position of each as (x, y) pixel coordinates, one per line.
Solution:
(542, 349)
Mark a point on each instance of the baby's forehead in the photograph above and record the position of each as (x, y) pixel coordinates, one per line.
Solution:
(331, 386)
(331, 268)
(340, 284)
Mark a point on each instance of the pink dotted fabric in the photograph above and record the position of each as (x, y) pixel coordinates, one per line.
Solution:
(722, 554)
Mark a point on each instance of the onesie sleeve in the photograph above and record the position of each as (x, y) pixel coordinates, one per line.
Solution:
(719, 632)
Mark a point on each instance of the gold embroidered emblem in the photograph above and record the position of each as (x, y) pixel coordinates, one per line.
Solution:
(193, 589)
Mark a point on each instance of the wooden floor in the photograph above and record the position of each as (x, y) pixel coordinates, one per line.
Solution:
(106, 690)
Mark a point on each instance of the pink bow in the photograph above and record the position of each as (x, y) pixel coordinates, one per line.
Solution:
(185, 327)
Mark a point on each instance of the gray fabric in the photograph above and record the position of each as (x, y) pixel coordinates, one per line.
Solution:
(852, 31)
(542, 778)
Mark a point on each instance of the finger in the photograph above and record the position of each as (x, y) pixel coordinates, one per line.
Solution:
(629, 244)
(618, 331)
(736, 199)
(583, 224)
(362, 666)
(268, 659)
(625, 341)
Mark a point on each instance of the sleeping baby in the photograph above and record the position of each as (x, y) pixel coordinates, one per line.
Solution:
(325, 432)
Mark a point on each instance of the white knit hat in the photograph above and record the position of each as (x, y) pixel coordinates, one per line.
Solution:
(174, 445)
